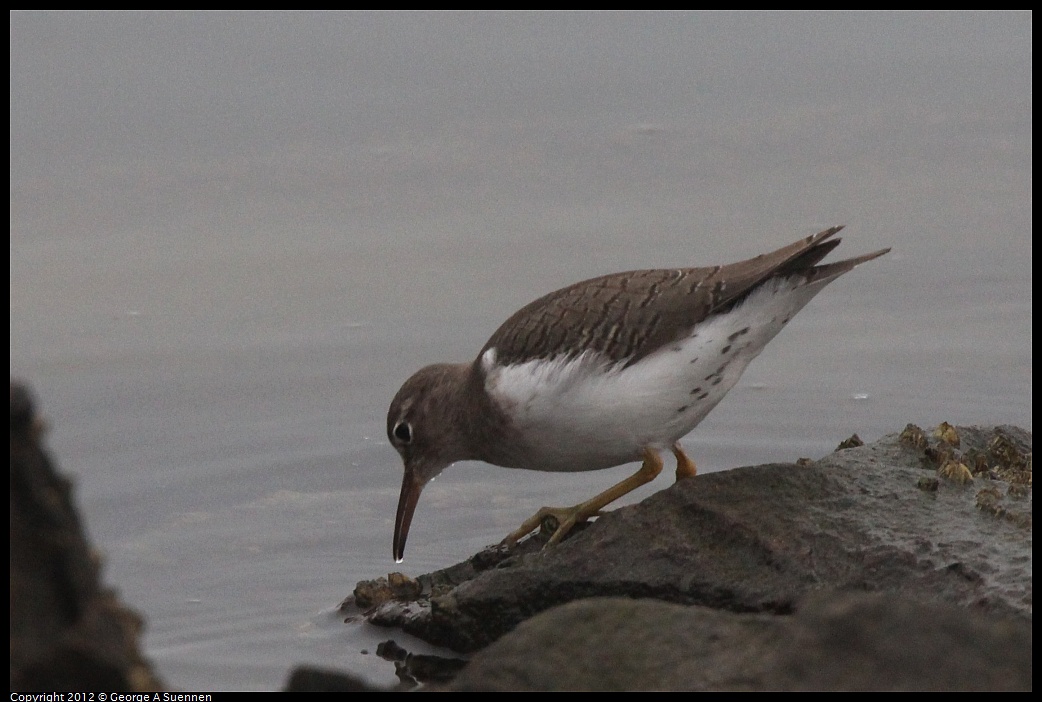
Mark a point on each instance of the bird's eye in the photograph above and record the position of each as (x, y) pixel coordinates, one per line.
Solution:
(403, 432)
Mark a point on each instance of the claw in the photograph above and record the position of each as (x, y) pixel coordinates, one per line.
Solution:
(568, 517)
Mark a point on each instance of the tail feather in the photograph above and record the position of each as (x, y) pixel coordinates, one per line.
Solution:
(831, 271)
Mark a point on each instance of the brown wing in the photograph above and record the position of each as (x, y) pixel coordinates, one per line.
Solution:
(626, 316)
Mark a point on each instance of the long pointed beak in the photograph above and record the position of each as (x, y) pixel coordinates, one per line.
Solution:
(410, 495)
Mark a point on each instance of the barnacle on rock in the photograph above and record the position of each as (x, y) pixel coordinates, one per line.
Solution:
(955, 471)
(396, 586)
(853, 442)
(977, 461)
(1009, 462)
(940, 454)
(946, 433)
(990, 500)
(928, 483)
(1017, 490)
(914, 437)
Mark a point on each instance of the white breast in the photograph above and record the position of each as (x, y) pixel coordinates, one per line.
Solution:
(584, 413)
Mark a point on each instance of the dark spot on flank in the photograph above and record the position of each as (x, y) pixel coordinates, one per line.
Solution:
(694, 360)
(717, 380)
(738, 333)
(678, 348)
(725, 349)
(703, 395)
(680, 410)
(696, 391)
(786, 320)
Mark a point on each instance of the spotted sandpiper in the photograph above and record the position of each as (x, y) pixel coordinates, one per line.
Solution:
(603, 372)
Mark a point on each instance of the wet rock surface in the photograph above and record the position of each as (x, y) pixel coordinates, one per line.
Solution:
(880, 518)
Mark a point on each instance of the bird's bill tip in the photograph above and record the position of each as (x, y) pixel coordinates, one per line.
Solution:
(410, 495)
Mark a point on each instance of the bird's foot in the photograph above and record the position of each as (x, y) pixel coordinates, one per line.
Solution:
(568, 517)
(560, 520)
(685, 466)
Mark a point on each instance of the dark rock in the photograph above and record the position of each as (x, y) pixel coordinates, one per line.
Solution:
(415, 669)
(760, 539)
(307, 679)
(835, 641)
(68, 632)
(885, 642)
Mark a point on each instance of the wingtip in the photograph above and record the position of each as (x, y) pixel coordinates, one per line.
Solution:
(831, 231)
(877, 254)
(818, 238)
(858, 260)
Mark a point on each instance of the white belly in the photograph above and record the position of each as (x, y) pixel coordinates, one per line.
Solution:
(585, 414)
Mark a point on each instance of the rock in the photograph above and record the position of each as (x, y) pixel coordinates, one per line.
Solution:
(68, 633)
(855, 641)
(834, 641)
(760, 539)
(310, 679)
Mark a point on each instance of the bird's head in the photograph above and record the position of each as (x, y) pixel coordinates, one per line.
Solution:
(424, 425)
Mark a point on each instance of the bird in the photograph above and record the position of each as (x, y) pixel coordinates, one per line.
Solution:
(607, 371)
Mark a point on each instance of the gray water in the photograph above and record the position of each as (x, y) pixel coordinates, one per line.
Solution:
(234, 235)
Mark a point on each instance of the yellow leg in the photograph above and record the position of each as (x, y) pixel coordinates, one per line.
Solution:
(568, 517)
(685, 466)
